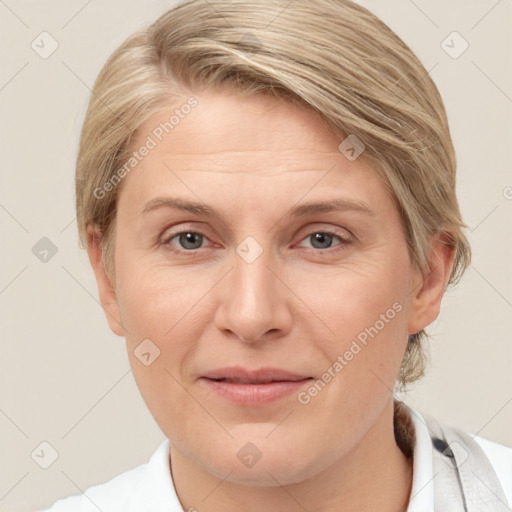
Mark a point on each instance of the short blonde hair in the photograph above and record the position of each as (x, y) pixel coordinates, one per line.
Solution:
(332, 56)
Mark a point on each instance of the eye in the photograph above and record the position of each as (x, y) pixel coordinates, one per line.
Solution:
(188, 240)
(323, 240)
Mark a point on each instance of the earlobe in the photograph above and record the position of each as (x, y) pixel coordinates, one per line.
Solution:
(428, 293)
(106, 290)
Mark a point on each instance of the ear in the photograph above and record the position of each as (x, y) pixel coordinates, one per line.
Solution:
(429, 291)
(106, 290)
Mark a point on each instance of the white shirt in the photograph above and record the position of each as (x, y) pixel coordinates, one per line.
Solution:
(149, 487)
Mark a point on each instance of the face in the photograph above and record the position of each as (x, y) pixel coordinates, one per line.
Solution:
(253, 286)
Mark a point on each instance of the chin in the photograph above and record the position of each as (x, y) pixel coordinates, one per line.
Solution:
(254, 460)
(269, 473)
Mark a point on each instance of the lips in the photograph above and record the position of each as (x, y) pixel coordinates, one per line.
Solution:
(251, 388)
(240, 375)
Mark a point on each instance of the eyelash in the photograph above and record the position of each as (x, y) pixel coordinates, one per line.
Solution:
(341, 247)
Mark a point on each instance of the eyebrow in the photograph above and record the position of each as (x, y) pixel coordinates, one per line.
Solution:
(302, 210)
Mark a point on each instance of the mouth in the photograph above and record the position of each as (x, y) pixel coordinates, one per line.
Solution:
(253, 387)
(244, 381)
(261, 376)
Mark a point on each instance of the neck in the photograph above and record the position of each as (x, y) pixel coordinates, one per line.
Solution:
(374, 476)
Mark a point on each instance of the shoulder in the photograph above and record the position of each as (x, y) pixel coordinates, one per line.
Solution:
(145, 487)
(500, 457)
(119, 490)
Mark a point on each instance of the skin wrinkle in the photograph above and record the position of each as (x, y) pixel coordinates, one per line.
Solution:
(266, 156)
(218, 310)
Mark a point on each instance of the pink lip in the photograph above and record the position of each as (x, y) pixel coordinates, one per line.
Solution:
(253, 387)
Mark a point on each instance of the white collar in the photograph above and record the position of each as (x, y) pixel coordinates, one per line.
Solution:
(422, 491)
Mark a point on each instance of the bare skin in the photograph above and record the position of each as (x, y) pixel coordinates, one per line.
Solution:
(298, 306)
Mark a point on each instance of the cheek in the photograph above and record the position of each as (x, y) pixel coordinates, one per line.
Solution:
(161, 340)
(153, 312)
(165, 313)
(366, 307)
(171, 406)
(155, 300)
(353, 298)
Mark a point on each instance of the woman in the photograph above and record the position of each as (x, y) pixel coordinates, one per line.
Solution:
(266, 191)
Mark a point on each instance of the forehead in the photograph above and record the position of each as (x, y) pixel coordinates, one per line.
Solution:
(256, 146)
(227, 120)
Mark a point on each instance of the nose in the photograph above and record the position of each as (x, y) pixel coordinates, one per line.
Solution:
(253, 302)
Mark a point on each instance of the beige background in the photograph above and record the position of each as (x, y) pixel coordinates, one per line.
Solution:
(65, 378)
